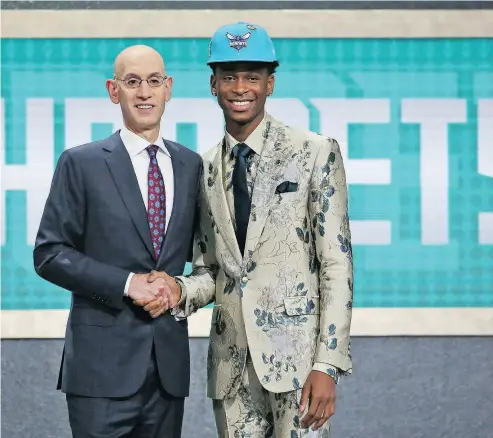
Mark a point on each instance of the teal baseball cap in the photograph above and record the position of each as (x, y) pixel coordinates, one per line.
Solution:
(243, 42)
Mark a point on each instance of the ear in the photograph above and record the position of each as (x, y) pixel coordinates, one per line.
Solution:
(213, 82)
(270, 85)
(112, 88)
(169, 86)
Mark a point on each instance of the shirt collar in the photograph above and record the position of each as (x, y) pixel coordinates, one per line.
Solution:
(135, 144)
(255, 140)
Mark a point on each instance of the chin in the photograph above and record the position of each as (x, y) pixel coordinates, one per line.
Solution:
(147, 123)
(242, 118)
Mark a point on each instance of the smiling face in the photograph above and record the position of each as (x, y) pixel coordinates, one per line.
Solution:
(141, 89)
(242, 89)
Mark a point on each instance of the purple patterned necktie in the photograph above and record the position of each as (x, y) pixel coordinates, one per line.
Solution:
(156, 201)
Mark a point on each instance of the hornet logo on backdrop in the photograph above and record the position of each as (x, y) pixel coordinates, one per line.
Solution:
(238, 42)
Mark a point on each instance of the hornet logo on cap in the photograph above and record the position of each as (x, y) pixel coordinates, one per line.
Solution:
(238, 42)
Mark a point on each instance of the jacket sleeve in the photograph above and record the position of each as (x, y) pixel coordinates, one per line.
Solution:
(199, 287)
(58, 251)
(329, 221)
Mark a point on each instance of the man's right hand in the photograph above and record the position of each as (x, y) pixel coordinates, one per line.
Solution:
(141, 289)
(155, 306)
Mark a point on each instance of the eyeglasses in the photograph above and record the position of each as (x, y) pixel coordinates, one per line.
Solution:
(153, 81)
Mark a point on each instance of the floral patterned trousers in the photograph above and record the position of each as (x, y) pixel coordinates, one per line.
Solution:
(256, 413)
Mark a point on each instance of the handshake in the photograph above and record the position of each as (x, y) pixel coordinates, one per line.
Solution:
(156, 292)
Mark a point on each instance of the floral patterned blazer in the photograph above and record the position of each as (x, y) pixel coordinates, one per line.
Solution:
(288, 300)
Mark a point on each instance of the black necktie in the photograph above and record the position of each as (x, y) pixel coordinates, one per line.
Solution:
(240, 192)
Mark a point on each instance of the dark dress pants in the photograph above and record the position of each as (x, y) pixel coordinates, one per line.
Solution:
(149, 413)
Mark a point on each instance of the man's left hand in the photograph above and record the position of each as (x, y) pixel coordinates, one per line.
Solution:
(320, 389)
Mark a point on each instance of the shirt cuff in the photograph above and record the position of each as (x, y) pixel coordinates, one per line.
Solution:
(327, 369)
(127, 284)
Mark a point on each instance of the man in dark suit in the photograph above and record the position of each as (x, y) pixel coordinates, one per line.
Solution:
(118, 209)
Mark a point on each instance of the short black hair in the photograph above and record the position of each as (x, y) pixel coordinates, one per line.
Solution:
(270, 66)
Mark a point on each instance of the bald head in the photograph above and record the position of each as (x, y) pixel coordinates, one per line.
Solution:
(138, 57)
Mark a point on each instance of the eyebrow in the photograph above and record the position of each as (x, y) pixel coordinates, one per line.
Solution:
(129, 75)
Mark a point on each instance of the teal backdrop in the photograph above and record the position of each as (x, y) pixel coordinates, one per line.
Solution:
(443, 258)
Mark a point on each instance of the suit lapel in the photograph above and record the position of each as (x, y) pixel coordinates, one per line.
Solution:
(123, 174)
(178, 196)
(276, 153)
(217, 197)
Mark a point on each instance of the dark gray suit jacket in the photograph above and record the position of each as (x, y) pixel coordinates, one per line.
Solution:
(93, 233)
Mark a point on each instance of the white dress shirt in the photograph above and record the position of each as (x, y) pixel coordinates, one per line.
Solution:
(136, 148)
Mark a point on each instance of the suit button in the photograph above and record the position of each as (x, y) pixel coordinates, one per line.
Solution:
(244, 280)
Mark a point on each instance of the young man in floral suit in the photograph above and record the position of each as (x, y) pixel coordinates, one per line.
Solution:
(273, 251)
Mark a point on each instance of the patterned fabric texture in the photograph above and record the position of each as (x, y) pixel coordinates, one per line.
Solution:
(257, 413)
(289, 299)
(156, 202)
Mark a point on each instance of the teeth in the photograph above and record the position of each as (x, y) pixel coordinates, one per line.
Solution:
(241, 103)
(144, 106)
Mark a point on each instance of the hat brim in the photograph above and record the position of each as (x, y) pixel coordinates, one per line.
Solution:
(236, 60)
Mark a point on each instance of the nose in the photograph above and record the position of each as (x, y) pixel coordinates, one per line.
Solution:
(240, 86)
(144, 90)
